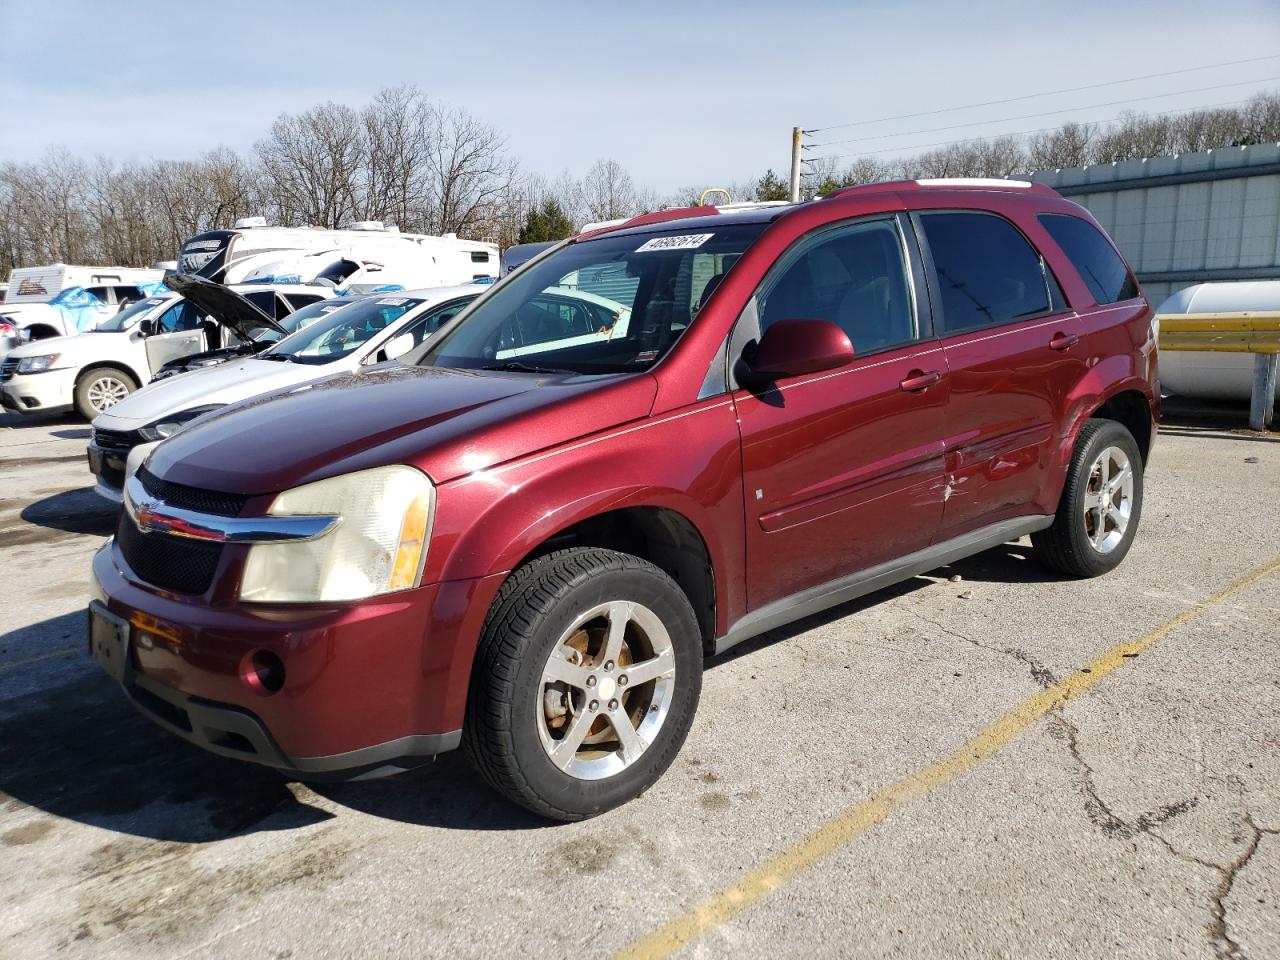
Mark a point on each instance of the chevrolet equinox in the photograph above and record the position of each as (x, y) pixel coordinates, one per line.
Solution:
(523, 537)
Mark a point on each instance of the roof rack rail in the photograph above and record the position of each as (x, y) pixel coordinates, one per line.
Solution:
(677, 213)
(944, 183)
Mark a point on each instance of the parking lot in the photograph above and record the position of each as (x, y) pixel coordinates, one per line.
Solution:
(1008, 764)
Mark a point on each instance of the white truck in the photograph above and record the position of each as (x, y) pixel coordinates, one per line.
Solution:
(367, 253)
(61, 299)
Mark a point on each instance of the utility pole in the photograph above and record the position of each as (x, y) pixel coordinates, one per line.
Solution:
(796, 134)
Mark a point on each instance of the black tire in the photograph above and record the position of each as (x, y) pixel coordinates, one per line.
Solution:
(99, 375)
(534, 608)
(1066, 545)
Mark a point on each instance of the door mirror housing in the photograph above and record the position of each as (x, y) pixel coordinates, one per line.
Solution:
(398, 346)
(792, 348)
(147, 327)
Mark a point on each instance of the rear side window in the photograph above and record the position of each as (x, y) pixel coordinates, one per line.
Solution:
(988, 274)
(1093, 256)
(297, 301)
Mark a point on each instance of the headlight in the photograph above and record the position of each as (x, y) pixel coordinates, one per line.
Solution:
(37, 364)
(168, 426)
(379, 546)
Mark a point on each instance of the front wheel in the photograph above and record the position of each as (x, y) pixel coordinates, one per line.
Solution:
(1101, 503)
(101, 389)
(585, 682)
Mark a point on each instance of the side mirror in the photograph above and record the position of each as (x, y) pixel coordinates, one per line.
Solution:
(147, 327)
(792, 348)
(398, 346)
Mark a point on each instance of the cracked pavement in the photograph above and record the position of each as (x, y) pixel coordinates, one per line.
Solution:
(1138, 819)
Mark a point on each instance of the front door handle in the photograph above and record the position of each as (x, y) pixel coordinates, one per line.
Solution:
(918, 381)
(1063, 341)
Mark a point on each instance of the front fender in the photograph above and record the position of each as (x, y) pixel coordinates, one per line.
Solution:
(689, 463)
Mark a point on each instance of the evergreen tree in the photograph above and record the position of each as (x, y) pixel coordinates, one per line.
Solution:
(771, 187)
(547, 222)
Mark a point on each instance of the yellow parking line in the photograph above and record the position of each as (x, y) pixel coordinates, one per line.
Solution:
(841, 830)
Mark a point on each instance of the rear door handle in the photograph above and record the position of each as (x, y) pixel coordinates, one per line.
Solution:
(1063, 341)
(918, 381)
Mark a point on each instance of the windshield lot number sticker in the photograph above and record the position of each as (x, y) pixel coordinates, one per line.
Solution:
(686, 242)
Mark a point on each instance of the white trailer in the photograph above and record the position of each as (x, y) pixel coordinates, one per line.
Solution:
(365, 253)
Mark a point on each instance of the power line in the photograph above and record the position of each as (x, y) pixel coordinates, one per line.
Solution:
(1047, 93)
(1046, 113)
(1015, 133)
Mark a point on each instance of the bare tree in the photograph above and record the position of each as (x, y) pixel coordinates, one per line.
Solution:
(608, 192)
(398, 126)
(469, 170)
(1067, 146)
(315, 162)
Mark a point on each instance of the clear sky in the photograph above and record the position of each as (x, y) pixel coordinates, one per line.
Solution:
(679, 92)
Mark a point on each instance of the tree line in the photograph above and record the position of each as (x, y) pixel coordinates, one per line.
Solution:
(429, 167)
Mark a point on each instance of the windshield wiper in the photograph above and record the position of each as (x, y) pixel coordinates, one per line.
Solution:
(518, 367)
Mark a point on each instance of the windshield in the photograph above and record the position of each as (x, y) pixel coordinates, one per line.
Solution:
(343, 331)
(130, 315)
(616, 304)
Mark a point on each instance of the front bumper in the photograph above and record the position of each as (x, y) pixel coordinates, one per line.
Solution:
(369, 688)
(45, 392)
(111, 465)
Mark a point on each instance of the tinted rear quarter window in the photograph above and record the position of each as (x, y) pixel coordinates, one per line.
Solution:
(987, 272)
(1093, 256)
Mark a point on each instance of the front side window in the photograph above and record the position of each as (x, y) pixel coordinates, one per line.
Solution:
(853, 275)
(610, 305)
(342, 332)
(988, 274)
(180, 317)
(417, 331)
(1093, 256)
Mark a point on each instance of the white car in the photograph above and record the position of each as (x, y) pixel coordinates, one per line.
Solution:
(371, 330)
(98, 368)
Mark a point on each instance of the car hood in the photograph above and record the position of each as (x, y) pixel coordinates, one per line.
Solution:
(73, 349)
(223, 383)
(19, 310)
(222, 304)
(447, 422)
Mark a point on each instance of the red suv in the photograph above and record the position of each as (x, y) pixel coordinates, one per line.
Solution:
(525, 536)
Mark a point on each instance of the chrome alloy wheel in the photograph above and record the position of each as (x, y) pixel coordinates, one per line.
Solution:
(1108, 499)
(106, 391)
(606, 690)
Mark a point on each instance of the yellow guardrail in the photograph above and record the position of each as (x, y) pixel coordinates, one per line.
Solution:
(1248, 332)
(1256, 332)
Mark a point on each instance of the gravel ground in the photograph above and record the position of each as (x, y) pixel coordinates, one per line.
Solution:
(1139, 818)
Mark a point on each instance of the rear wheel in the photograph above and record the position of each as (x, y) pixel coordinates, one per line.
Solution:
(101, 388)
(1101, 503)
(585, 683)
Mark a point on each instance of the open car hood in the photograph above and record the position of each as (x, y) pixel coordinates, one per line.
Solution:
(222, 304)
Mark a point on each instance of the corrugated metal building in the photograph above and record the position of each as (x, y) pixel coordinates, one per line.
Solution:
(1189, 218)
